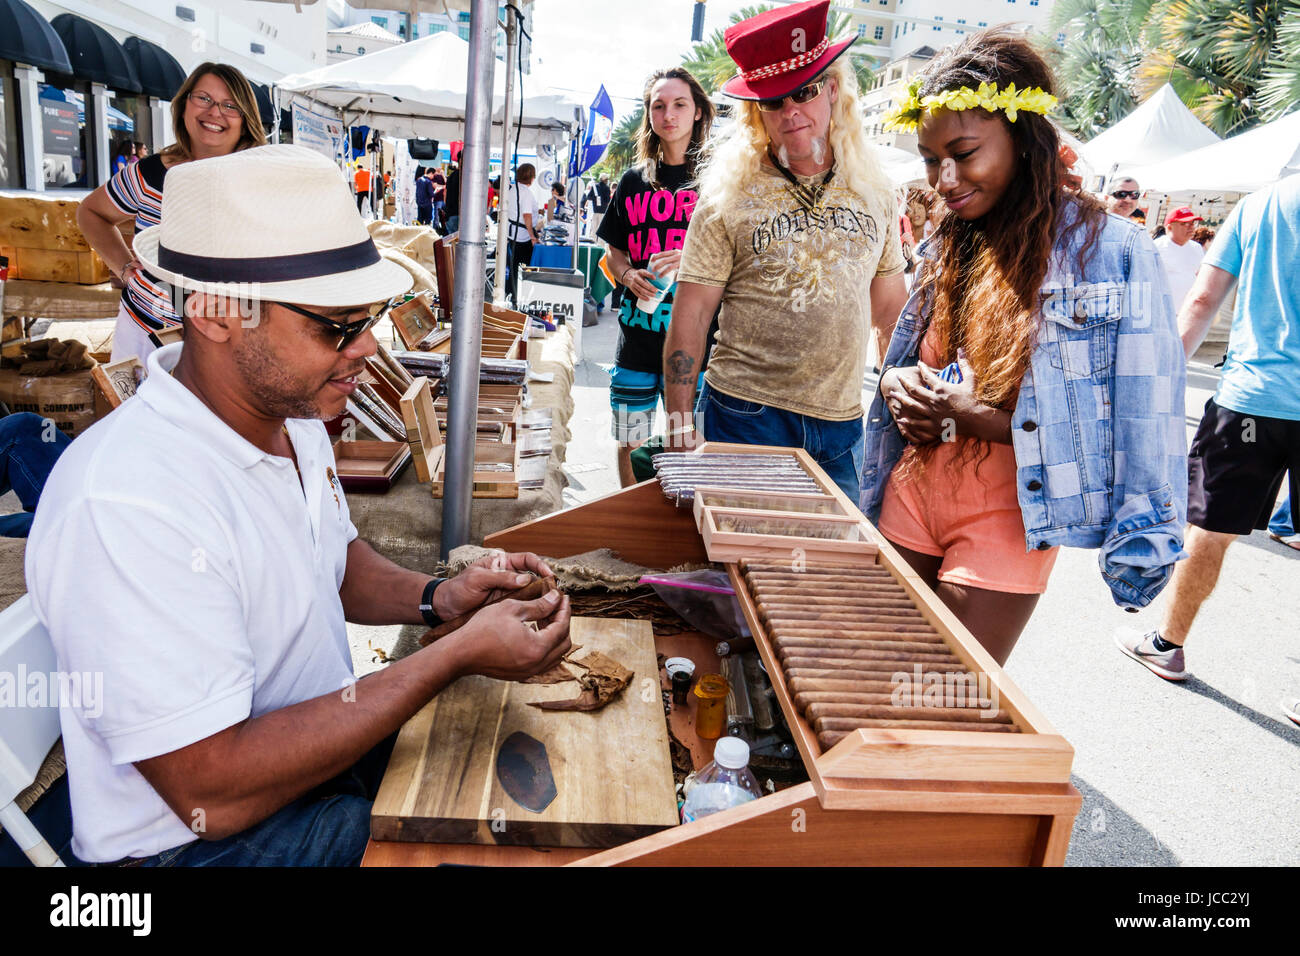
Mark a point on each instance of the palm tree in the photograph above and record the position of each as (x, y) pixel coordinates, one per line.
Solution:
(1104, 49)
(1215, 52)
(1280, 91)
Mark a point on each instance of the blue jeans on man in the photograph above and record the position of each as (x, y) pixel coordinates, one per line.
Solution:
(29, 447)
(1281, 522)
(836, 446)
(328, 826)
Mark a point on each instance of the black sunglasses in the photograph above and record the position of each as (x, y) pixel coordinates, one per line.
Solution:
(805, 94)
(1126, 193)
(348, 331)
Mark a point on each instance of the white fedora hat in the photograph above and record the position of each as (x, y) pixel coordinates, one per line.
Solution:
(271, 223)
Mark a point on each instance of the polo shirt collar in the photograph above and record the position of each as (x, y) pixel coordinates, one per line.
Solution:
(178, 405)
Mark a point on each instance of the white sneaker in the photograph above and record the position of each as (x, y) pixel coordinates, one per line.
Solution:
(1141, 647)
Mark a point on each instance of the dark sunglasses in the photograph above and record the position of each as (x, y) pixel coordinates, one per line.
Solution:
(1126, 193)
(348, 331)
(805, 94)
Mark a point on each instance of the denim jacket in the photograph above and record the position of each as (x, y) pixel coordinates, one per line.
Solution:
(1098, 429)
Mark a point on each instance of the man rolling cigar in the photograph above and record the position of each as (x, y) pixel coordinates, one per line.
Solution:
(796, 235)
(195, 549)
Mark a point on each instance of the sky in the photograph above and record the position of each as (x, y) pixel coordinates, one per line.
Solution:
(580, 44)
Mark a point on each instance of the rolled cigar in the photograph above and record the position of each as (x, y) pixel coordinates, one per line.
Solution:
(846, 623)
(854, 677)
(750, 564)
(833, 629)
(820, 685)
(529, 592)
(849, 724)
(849, 643)
(827, 655)
(812, 661)
(797, 577)
(885, 710)
(851, 593)
(816, 605)
(829, 738)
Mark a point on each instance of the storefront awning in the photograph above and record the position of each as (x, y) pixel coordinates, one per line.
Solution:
(94, 54)
(156, 69)
(26, 37)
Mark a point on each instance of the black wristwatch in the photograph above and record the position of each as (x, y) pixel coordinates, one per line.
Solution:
(426, 603)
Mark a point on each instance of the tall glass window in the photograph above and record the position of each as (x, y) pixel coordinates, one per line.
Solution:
(63, 116)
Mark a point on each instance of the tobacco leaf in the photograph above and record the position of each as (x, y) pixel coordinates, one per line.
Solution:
(603, 681)
(529, 592)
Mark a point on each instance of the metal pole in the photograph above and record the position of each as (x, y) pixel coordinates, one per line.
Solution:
(503, 237)
(471, 258)
(577, 161)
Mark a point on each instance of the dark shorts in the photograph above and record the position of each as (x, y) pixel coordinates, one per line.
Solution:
(1235, 469)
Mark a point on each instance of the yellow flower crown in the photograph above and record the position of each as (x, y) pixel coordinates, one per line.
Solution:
(906, 117)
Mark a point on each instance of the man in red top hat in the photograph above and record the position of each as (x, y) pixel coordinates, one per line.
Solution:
(796, 236)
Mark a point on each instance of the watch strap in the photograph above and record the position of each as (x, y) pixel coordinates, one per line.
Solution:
(431, 619)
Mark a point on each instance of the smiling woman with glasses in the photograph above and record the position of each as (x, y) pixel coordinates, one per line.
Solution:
(214, 113)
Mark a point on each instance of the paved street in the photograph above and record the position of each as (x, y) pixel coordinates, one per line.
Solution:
(1198, 774)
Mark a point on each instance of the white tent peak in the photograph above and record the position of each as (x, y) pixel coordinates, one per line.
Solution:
(1161, 128)
(1241, 163)
(368, 30)
(419, 89)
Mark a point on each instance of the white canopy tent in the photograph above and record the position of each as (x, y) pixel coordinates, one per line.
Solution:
(1241, 163)
(1160, 129)
(419, 89)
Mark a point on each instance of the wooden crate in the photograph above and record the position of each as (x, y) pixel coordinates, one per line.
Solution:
(55, 265)
(40, 236)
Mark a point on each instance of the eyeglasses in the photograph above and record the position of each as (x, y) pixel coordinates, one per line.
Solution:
(203, 101)
(348, 331)
(1127, 193)
(805, 94)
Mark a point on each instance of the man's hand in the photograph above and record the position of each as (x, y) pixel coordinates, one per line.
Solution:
(486, 581)
(513, 640)
(662, 263)
(638, 283)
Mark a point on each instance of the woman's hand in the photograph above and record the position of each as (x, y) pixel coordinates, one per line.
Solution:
(911, 404)
(937, 410)
(662, 263)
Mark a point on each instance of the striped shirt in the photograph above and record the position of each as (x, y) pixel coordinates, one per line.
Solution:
(137, 190)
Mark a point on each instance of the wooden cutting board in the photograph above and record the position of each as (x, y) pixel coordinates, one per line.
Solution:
(612, 769)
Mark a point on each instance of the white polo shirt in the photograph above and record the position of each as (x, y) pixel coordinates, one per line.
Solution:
(188, 568)
(1181, 265)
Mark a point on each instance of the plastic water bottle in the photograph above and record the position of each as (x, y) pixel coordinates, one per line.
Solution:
(724, 783)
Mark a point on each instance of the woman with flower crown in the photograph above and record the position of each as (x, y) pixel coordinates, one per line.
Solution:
(1032, 395)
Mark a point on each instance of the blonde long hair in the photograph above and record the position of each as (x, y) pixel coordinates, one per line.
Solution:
(734, 157)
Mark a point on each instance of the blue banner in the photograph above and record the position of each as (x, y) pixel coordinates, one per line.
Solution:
(600, 127)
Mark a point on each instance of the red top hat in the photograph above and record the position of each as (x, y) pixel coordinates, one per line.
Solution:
(780, 50)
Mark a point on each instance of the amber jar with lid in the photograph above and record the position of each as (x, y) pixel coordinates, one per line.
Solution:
(711, 706)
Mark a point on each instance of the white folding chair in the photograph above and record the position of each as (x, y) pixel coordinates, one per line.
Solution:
(26, 733)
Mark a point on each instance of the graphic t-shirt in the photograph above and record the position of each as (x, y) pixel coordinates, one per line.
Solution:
(643, 219)
(796, 304)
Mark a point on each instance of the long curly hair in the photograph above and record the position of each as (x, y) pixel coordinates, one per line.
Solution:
(983, 286)
(733, 159)
(648, 148)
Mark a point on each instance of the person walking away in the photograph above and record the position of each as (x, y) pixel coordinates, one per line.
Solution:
(1179, 255)
(597, 198)
(452, 209)
(522, 214)
(1027, 296)
(1249, 436)
(644, 230)
(424, 193)
(796, 236)
(214, 113)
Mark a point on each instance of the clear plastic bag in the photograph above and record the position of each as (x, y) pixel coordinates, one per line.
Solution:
(704, 599)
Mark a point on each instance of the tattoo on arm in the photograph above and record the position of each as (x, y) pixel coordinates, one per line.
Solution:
(681, 367)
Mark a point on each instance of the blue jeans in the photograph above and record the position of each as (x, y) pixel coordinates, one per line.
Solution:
(1280, 524)
(29, 447)
(329, 826)
(836, 446)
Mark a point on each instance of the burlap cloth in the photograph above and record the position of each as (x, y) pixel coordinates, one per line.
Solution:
(411, 247)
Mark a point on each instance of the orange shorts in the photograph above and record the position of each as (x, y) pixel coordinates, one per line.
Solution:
(975, 525)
